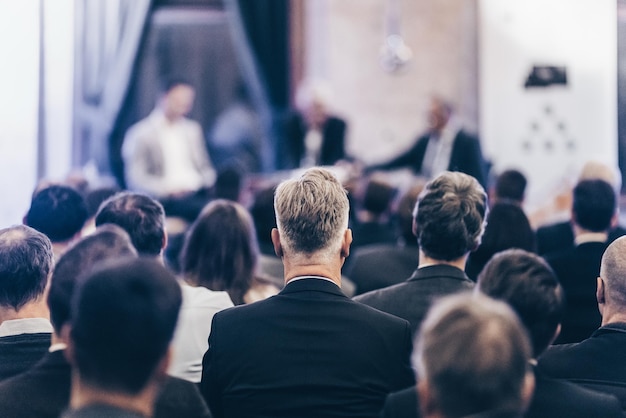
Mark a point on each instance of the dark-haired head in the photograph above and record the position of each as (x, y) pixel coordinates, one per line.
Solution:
(25, 266)
(510, 186)
(106, 243)
(220, 250)
(142, 217)
(527, 283)
(57, 211)
(124, 313)
(594, 205)
(449, 216)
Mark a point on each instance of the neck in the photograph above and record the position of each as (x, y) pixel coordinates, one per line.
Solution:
(426, 261)
(331, 271)
(612, 314)
(83, 394)
(35, 309)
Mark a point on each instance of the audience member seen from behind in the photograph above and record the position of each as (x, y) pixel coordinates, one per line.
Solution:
(141, 216)
(528, 284)
(44, 389)
(60, 213)
(221, 253)
(380, 265)
(471, 360)
(372, 219)
(509, 187)
(594, 210)
(448, 221)
(307, 351)
(122, 320)
(507, 227)
(25, 329)
(598, 361)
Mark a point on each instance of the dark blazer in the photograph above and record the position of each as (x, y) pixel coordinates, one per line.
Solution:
(560, 236)
(333, 142)
(598, 362)
(308, 352)
(411, 299)
(466, 157)
(376, 266)
(577, 269)
(44, 391)
(552, 398)
(20, 352)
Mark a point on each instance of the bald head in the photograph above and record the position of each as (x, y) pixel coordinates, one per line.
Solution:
(613, 274)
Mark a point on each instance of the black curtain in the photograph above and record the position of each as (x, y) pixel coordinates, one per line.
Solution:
(266, 23)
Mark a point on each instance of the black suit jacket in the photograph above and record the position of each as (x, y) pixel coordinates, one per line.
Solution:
(560, 236)
(411, 299)
(552, 398)
(373, 267)
(333, 142)
(20, 352)
(598, 362)
(577, 269)
(466, 157)
(44, 391)
(307, 352)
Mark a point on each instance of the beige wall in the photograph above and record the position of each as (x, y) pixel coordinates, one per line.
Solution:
(343, 39)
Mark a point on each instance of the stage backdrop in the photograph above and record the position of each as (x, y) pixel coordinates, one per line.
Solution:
(548, 88)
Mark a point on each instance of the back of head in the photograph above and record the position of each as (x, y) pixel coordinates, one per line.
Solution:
(596, 170)
(25, 265)
(594, 205)
(123, 317)
(527, 283)
(472, 354)
(511, 186)
(449, 216)
(220, 250)
(377, 197)
(58, 211)
(404, 214)
(311, 212)
(507, 227)
(263, 214)
(613, 273)
(142, 217)
(106, 243)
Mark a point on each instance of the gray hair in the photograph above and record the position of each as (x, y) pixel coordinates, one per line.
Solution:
(26, 263)
(312, 213)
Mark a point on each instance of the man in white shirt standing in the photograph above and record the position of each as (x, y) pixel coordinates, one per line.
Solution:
(165, 154)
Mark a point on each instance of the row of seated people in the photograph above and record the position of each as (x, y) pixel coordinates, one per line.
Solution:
(309, 351)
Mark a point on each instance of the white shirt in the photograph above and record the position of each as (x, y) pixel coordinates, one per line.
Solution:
(25, 326)
(190, 340)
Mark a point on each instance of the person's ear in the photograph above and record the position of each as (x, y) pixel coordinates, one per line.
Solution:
(528, 388)
(600, 291)
(345, 244)
(278, 248)
(66, 331)
(426, 401)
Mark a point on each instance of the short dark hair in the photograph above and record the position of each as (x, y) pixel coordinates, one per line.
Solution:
(168, 83)
(527, 283)
(594, 205)
(473, 354)
(449, 216)
(511, 185)
(107, 242)
(220, 250)
(58, 211)
(142, 217)
(378, 196)
(25, 265)
(123, 318)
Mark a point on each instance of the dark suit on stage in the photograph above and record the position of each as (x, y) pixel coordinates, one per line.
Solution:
(552, 398)
(411, 299)
(293, 149)
(466, 157)
(598, 362)
(307, 352)
(560, 236)
(577, 269)
(44, 391)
